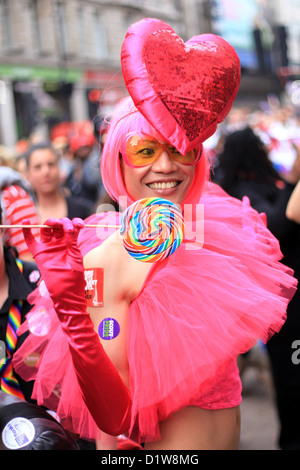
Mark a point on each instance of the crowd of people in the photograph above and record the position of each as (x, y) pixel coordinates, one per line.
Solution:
(261, 160)
(155, 385)
(57, 176)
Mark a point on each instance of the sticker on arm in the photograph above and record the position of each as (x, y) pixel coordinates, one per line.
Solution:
(94, 287)
(109, 328)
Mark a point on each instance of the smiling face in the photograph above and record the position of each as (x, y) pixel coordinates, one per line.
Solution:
(164, 178)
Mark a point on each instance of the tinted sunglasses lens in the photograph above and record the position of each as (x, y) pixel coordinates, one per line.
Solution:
(188, 159)
(142, 150)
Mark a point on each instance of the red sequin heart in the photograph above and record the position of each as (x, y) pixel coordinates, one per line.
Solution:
(183, 89)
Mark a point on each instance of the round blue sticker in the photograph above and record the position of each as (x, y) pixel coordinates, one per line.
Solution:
(109, 328)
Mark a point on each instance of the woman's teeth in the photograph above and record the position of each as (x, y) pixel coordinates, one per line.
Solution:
(163, 185)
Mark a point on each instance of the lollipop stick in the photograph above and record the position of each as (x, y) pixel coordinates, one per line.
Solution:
(47, 226)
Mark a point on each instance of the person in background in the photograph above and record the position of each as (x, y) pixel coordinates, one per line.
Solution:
(59, 139)
(245, 170)
(105, 202)
(20, 165)
(6, 157)
(17, 280)
(83, 179)
(17, 204)
(293, 206)
(43, 174)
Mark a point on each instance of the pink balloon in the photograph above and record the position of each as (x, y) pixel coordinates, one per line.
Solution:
(183, 89)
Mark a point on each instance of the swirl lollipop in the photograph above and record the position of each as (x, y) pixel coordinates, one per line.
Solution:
(153, 229)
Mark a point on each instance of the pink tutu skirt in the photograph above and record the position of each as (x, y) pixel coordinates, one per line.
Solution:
(197, 311)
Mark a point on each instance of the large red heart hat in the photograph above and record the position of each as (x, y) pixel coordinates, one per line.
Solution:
(183, 89)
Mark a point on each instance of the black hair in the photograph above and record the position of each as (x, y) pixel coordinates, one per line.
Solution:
(245, 156)
(38, 146)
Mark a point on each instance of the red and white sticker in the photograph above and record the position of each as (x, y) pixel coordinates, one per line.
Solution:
(94, 287)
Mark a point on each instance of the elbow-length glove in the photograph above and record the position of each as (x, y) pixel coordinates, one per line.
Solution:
(60, 263)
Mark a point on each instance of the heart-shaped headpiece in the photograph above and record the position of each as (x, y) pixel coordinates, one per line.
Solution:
(183, 89)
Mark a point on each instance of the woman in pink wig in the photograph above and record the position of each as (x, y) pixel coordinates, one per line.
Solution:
(148, 350)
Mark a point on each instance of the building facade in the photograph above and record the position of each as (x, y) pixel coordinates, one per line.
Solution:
(60, 59)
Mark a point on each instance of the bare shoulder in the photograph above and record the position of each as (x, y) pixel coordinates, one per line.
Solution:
(108, 252)
(121, 269)
(115, 261)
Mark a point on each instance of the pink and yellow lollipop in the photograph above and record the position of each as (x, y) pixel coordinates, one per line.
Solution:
(153, 229)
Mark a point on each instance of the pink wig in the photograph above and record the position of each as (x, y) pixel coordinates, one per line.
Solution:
(126, 119)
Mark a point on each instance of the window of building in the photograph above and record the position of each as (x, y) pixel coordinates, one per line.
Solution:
(5, 23)
(35, 26)
(62, 28)
(100, 36)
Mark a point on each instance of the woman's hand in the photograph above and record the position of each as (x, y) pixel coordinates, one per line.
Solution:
(60, 261)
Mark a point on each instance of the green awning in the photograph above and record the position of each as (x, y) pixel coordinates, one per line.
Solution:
(21, 72)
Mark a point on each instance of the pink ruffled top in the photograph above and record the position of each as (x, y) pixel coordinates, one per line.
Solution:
(197, 311)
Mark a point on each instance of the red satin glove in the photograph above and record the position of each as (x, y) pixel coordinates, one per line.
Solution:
(60, 263)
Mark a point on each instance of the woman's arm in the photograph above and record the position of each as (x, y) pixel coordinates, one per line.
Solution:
(293, 206)
(60, 262)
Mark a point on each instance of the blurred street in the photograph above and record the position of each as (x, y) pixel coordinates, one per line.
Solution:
(260, 427)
